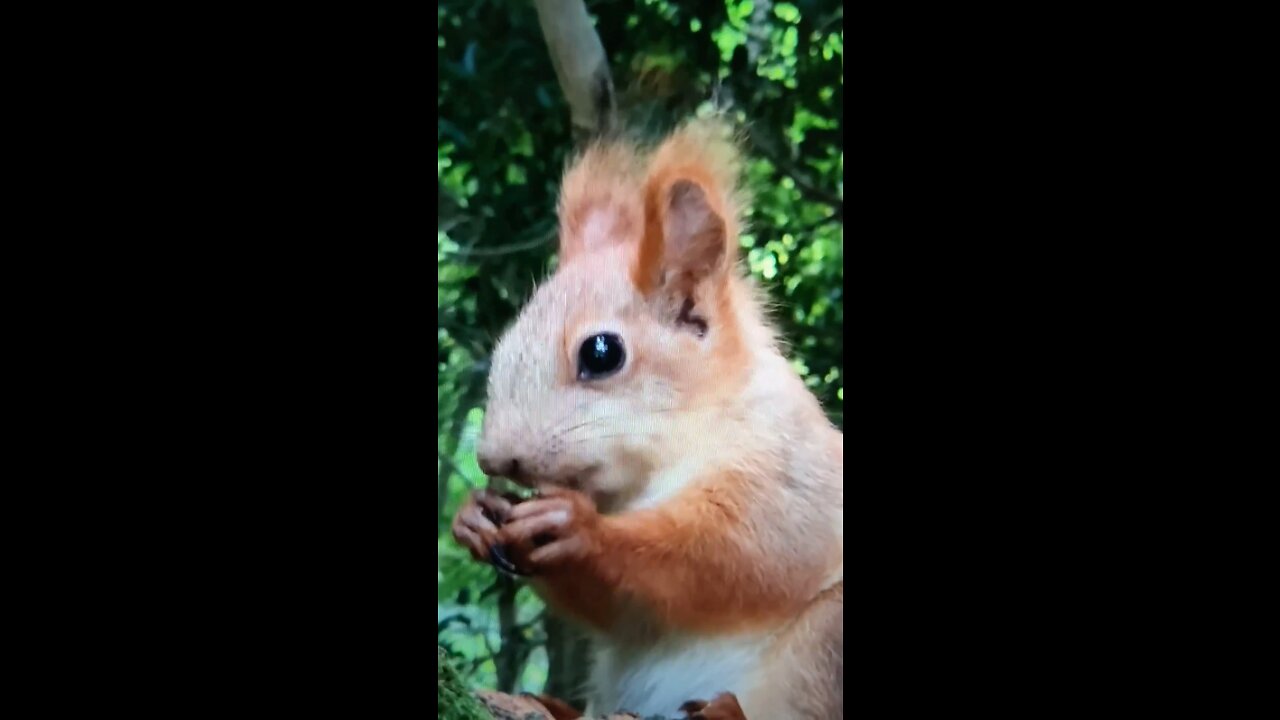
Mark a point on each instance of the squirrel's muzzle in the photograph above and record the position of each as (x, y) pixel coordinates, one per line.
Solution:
(503, 466)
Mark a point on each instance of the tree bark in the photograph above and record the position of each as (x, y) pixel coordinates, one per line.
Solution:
(512, 653)
(568, 661)
(580, 64)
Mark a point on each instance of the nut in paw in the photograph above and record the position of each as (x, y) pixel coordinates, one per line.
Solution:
(553, 531)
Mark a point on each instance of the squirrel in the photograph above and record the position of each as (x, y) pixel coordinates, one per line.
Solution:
(690, 510)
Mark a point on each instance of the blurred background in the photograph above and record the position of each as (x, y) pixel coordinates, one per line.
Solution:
(503, 137)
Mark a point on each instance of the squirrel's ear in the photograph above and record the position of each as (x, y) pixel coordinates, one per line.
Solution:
(598, 203)
(685, 238)
(691, 208)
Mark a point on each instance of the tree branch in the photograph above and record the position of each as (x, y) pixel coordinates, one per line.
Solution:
(505, 249)
(451, 465)
(580, 64)
(802, 181)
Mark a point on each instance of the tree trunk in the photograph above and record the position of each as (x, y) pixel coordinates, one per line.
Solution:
(568, 661)
(512, 654)
(580, 64)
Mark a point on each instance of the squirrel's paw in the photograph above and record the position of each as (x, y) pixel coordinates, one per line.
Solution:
(557, 529)
(475, 527)
(724, 707)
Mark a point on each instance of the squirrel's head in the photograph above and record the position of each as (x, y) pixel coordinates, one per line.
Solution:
(646, 330)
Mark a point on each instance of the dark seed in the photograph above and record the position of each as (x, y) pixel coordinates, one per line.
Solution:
(498, 556)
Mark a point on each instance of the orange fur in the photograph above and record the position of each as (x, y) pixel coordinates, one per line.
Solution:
(723, 707)
(558, 709)
(697, 492)
(600, 185)
(691, 564)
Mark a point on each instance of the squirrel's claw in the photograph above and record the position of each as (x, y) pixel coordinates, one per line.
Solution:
(498, 556)
(474, 530)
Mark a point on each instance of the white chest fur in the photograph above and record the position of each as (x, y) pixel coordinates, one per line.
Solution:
(657, 678)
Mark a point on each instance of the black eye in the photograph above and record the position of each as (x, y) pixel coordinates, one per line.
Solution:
(600, 355)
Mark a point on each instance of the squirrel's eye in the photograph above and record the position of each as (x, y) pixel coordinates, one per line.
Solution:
(600, 355)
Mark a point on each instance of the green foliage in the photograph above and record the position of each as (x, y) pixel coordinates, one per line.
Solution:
(453, 700)
(503, 136)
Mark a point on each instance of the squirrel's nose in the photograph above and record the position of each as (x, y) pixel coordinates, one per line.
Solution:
(505, 466)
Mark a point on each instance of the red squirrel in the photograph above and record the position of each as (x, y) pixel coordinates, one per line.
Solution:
(691, 504)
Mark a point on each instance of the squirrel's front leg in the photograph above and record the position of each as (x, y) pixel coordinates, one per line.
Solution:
(692, 563)
(559, 541)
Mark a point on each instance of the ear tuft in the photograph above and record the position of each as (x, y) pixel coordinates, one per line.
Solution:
(599, 206)
(691, 209)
